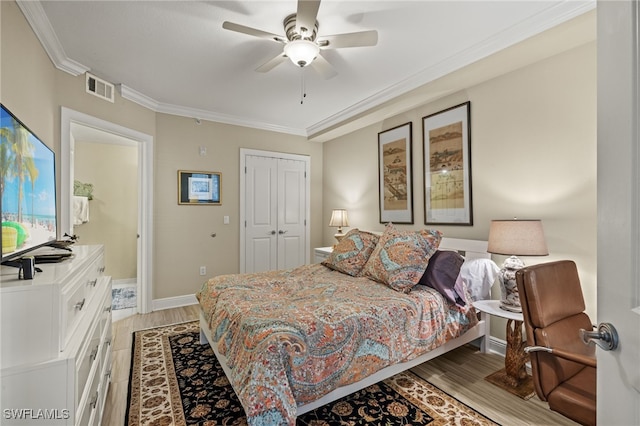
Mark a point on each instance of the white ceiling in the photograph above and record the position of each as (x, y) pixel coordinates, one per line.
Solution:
(175, 57)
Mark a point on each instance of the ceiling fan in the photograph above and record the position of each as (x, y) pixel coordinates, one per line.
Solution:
(302, 44)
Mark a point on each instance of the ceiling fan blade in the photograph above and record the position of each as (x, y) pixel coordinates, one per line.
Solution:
(359, 39)
(272, 63)
(306, 15)
(324, 68)
(252, 32)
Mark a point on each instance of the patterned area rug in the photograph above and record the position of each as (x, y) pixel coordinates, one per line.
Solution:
(176, 381)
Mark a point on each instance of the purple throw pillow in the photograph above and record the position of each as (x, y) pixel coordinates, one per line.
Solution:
(441, 274)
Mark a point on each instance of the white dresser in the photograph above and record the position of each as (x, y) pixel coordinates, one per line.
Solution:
(55, 342)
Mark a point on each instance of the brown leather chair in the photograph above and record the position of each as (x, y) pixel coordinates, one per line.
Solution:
(563, 366)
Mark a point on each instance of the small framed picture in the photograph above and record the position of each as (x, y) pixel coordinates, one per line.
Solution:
(199, 188)
(395, 174)
(447, 166)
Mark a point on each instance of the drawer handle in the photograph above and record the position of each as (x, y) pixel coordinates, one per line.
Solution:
(101, 269)
(94, 401)
(107, 309)
(107, 375)
(94, 354)
(78, 306)
(93, 282)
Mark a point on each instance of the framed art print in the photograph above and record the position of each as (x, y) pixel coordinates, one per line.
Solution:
(199, 188)
(447, 166)
(395, 175)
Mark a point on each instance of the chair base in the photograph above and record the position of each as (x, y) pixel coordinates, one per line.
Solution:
(522, 390)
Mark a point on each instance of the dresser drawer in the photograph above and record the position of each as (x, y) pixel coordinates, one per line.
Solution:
(76, 296)
(74, 301)
(88, 408)
(88, 358)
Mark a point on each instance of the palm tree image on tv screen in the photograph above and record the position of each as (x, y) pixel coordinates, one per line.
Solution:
(27, 186)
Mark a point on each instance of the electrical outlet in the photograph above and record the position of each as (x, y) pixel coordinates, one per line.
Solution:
(203, 270)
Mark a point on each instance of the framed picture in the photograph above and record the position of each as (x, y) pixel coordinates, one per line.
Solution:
(395, 175)
(447, 166)
(199, 188)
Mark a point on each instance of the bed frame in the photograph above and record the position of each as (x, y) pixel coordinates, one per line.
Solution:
(471, 249)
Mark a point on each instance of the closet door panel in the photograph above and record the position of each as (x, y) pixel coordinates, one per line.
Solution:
(261, 214)
(291, 213)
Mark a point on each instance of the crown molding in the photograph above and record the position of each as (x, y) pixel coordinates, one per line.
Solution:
(568, 9)
(536, 24)
(37, 19)
(134, 96)
(147, 102)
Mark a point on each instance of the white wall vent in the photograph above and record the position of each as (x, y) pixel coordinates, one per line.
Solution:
(99, 87)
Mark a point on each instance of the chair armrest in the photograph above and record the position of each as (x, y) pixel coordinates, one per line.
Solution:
(571, 356)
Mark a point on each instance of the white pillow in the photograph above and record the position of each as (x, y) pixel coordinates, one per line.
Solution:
(479, 275)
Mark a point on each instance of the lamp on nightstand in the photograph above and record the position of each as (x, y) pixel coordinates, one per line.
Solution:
(515, 238)
(339, 219)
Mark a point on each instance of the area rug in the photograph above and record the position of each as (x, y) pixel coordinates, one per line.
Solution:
(174, 380)
(123, 298)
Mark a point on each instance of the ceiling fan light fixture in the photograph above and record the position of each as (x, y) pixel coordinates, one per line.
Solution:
(301, 52)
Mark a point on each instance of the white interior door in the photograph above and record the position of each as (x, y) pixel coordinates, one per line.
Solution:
(619, 210)
(291, 213)
(261, 220)
(274, 211)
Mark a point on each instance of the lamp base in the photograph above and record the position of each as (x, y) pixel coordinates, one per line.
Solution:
(339, 236)
(510, 299)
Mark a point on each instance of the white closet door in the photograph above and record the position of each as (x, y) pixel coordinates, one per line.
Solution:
(261, 190)
(291, 213)
(275, 205)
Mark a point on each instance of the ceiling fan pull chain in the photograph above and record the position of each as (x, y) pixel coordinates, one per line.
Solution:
(303, 89)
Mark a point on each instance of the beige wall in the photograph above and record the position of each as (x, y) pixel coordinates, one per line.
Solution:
(27, 84)
(533, 151)
(183, 233)
(113, 213)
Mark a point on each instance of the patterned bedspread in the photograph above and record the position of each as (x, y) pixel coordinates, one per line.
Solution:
(292, 336)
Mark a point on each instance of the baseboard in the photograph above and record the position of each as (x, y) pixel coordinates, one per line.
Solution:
(126, 282)
(497, 346)
(173, 302)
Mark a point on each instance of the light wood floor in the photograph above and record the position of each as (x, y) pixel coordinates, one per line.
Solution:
(460, 373)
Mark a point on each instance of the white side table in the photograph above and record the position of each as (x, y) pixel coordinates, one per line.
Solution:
(321, 253)
(513, 377)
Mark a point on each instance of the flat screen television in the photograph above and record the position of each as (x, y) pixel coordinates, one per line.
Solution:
(28, 185)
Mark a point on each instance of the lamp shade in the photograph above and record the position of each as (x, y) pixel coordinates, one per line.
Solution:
(517, 238)
(339, 218)
(301, 52)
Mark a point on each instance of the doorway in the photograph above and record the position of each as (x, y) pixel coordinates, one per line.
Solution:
(109, 133)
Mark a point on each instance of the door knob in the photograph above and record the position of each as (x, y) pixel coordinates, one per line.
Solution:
(606, 336)
(272, 232)
(282, 232)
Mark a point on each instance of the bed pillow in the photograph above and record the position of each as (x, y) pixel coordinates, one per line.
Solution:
(441, 274)
(401, 257)
(352, 252)
(479, 275)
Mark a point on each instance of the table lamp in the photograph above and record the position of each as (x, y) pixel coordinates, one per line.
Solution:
(514, 238)
(339, 219)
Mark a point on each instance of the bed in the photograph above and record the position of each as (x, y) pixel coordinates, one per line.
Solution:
(291, 341)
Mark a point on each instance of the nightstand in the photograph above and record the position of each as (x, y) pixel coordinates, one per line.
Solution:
(321, 253)
(513, 377)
